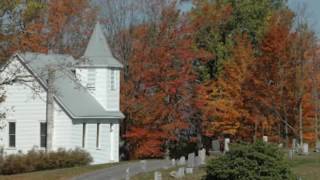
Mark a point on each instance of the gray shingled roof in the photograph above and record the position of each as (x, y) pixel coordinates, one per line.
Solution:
(69, 93)
(98, 53)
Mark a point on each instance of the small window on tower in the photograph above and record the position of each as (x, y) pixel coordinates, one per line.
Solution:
(112, 80)
(91, 85)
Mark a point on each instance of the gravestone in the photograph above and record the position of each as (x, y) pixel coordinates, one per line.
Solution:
(291, 152)
(215, 145)
(180, 172)
(294, 144)
(173, 162)
(305, 149)
(197, 161)
(189, 170)
(157, 175)
(202, 154)
(143, 165)
(226, 144)
(190, 162)
(182, 161)
(265, 139)
(128, 174)
(280, 145)
(318, 146)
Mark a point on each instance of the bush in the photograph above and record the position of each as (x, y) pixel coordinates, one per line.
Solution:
(41, 160)
(250, 162)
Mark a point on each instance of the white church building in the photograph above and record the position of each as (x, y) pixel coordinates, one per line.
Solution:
(84, 111)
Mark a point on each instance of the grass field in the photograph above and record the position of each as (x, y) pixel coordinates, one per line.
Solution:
(58, 174)
(306, 167)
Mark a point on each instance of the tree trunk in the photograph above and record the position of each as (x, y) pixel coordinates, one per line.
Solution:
(316, 126)
(300, 124)
(287, 133)
(316, 120)
(50, 109)
(255, 131)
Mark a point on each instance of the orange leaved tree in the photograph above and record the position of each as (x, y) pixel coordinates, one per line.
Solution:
(158, 95)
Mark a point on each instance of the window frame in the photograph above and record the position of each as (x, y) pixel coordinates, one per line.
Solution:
(98, 136)
(112, 80)
(12, 134)
(84, 134)
(91, 80)
(43, 135)
(111, 127)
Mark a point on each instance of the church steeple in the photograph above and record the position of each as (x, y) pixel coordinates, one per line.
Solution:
(98, 52)
(98, 46)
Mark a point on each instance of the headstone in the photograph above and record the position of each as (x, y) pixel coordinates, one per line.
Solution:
(265, 139)
(182, 161)
(226, 144)
(202, 154)
(291, 152)
(197, 161)
(305, 148)
(143, 165)
(318, 146)
(189, 170)
(215, 145)
(190, 162)
(128, 174)
(180, 172)
(294, 144)
(280, 145)
(157, 175)
(173, 162)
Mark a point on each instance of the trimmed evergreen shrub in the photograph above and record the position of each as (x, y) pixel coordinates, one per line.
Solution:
(41, 160)
(259, 161)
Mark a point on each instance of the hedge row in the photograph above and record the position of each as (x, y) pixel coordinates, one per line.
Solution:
(36, 160)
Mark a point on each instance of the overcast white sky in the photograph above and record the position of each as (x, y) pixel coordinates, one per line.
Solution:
(313, 8)
(313, 11)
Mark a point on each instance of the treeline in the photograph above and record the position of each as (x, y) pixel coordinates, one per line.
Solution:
(238, 69)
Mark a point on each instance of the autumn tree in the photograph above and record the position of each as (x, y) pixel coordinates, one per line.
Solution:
(221, 100)
(219, 21)
(303, 48)
(160, 91)
(268, 91)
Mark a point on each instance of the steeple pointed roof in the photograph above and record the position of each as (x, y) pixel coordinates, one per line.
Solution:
(98, 52)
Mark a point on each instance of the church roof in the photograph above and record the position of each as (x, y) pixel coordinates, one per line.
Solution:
(98, 53)
(69, 93)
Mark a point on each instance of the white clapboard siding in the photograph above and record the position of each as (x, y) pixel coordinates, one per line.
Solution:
(101, 154)
(28, 110)
(62, 129)
(113, 95)
(109, 98)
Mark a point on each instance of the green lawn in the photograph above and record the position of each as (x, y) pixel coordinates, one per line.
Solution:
(58, 174)
(307, 167)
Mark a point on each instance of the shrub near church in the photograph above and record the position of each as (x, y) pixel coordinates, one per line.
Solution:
(41, 160)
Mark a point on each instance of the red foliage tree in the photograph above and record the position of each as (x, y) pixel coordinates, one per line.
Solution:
(158, 96)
